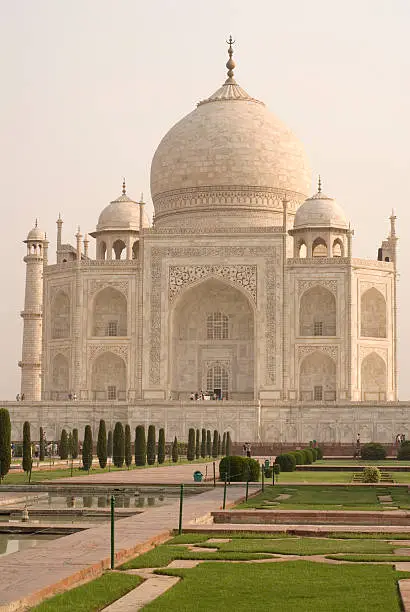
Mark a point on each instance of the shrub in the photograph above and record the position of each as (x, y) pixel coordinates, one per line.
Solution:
(127, 446)
(87, 454)
(190, 453)
(27, 460)
(371, 474)
(175, 450)
(228, 444)
(42, 445)
(223, 448)
(161, 445)
(403, 452)
(239, 469)
(151, 445)
(299, 457)
(287, 462)
(253, 467)
(102, 444)
(64, 444)
(314, 452)
(268, 472)
(74, 453)
(208, 443)
(373, 450)
(203, 443)
(215, 445)
(140, 445)
(118, 445)
(309, 454)
(319, 452)
(197, 445)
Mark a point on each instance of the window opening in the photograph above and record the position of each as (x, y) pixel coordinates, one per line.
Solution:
(318, 328)
(318, 393)
(112, 392)
(217, 326)
(112, 328)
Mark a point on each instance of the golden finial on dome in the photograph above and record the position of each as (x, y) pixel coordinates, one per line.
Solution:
(230, 64)
(124, 189)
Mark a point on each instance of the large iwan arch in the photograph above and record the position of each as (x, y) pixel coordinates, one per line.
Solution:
(373, 314)
(109, 313)
(317, 377)
(60, 316)
(317, 312)
(373, 378)
(60, 372)
(109, 377)
(212, 324)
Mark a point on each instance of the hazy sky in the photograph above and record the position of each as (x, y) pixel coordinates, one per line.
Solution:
(89, 87)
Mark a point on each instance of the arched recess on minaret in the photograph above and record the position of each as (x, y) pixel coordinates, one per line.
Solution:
(60, 316)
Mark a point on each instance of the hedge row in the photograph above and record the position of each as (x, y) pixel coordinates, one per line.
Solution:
(306, 456)
(239, 469)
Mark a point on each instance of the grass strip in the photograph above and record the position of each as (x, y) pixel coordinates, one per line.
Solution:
(93, 596)
(371, 558)
(284, 587)
(353, 535)
(194, 538)
(162, 555)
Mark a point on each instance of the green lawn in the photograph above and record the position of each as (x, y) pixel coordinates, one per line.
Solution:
(93, 596)
(348, 461)
(363, 558)
(320, 497)
(294, 586)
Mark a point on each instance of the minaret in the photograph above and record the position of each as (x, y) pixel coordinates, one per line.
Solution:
(59, 234)
(32, 316)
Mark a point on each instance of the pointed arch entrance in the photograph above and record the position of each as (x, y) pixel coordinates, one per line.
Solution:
(212, 342)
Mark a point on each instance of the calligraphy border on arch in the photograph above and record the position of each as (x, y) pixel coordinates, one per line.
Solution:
(270, 255)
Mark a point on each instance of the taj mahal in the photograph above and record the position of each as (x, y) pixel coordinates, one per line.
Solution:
(243, 291)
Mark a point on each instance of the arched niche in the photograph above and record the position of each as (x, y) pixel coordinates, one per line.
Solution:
(109, 375)
(337, 248)
(373, 377)
(373, 314)
(120, 249)
(317, 312)
(136, 249)
(212, 323)
(302, 250)
(109, 313)
(319, 248)
(60, 316)
(317, 378)
(102, 250)
(60, 373)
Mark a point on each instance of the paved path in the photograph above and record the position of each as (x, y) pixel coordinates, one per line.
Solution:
(54, 566)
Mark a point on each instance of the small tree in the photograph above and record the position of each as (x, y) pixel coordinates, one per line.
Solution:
(118, 450)
(151, 445)
(197, 445)
(102, 444)
(228, 444)
(161, 445)
(42, 445)
(215, 445)
(87, 453)
(224, 445)
(109, 444)
(128, 449)
(208, 443)
(175, 450)
(75, 444)
(219, 445)
(27, 460)
(203, 443)
(190, 455)
(5, 442)
(140, 446)
(64, 444)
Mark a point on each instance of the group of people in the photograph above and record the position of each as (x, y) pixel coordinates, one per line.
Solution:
(400, 438)
(20, 398)
(247, 449)
(198, 396)
(72, 396)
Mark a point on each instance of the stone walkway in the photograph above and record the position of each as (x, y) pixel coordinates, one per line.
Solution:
(41, 572)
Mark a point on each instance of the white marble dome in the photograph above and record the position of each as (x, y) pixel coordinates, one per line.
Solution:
(230, 155)
(320, 211)
(36, 234)
(121, 214)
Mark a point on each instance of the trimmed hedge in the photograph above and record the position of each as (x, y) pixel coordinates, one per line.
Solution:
(373, 450)
(287, 462)
(403, 452)
(319, 452)
(309, 455)
(239, 469)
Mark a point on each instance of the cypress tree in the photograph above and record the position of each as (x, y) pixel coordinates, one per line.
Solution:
(102, 444)
(175, 450)
(151, 445)
(70, 444)
(75, 443)
(197, 447)
(118, 447)
(64, 444)
(5, 442)
(128, 449)
(228, 444)
(224, 445)
(215, 445)
(27, 460)
(219, 445)
(42, 445)
(161, 445)
(208, 443)
(87, 453)
(109, 444)
(140, 446)
(203, 443)
(190, 455)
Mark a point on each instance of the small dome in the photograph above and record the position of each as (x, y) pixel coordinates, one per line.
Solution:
(320, 211)
(36, 234)
(122, 214)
